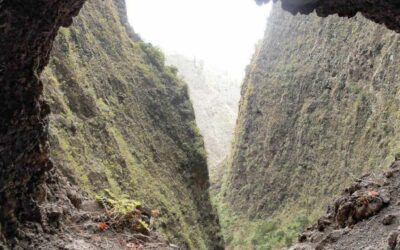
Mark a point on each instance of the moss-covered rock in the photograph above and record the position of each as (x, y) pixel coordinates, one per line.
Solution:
(320, 106)
(123, 121)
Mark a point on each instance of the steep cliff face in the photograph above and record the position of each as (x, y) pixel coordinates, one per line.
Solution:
(122, 120)
(215, 95)
(319, 107)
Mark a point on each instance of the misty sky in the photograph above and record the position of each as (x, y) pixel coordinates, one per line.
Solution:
(221, 32)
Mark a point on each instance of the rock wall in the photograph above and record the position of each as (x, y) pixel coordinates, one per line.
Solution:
(27, 29)
(380, 11)
(319, 107)
(122, 120)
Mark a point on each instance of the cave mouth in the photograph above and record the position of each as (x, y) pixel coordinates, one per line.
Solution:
(28, 30)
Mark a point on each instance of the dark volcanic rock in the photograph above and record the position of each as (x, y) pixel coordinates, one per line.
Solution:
(388, 219)
(365, 214)
(351, 209)
(27, 29)
(392, 239)
(381, 11)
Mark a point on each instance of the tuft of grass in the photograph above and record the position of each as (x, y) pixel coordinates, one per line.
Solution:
(120, 204)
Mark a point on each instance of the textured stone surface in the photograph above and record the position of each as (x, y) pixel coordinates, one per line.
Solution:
(357, 209)
(27, 30)
(381, 11)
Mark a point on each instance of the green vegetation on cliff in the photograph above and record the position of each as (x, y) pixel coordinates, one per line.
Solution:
(320, 106)
(122, 121)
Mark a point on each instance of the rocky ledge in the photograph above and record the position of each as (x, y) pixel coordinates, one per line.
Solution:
(365, 216)
(380, 11)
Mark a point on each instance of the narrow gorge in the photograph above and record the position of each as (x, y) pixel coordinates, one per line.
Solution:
(106, 143)
(215, 95)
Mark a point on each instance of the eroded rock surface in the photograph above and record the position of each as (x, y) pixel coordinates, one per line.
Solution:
(380, 11)
(363, 217)
(27, 29)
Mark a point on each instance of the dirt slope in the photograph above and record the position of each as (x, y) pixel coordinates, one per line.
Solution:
(365, 216)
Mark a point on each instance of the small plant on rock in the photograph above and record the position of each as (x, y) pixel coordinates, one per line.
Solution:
(125, 213)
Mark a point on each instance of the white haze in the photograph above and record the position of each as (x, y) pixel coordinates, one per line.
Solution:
(223, 33)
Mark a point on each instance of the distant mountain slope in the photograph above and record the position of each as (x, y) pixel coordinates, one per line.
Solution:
(319, 106)
(122, 120)
(215, 95)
